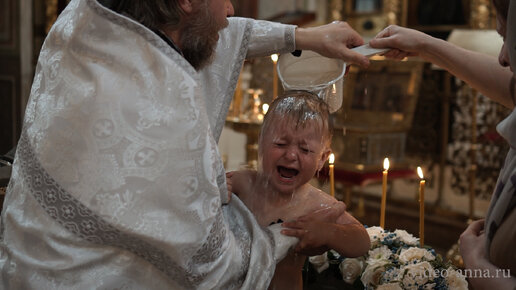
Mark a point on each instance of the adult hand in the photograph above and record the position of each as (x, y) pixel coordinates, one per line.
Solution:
(472, 244)
(312, 229)
(240, 181)
(333, 40)
(402, 41)
(311, 235)
(229, 183)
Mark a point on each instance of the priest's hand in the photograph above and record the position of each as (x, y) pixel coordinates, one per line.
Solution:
(239, 182)
(333, 40)
(312, 229)
(311, 234)
(316, 237)
(229, 182)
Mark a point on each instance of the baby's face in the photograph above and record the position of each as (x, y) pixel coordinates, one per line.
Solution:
(291, 156)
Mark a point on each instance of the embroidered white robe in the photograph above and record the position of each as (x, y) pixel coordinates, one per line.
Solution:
(117, 181)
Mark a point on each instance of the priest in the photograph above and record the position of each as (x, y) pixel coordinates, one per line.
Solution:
(117, 180)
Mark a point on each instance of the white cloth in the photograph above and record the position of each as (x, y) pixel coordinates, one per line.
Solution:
(117, 181)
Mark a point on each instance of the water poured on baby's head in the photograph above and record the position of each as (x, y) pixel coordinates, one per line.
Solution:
(298, 109)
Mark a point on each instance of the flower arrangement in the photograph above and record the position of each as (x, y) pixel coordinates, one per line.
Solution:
(395, 261)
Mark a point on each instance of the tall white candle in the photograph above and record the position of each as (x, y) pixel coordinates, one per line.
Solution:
(332, 176)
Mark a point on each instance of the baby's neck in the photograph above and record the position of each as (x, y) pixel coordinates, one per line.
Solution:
(276, 198)
(269, 205)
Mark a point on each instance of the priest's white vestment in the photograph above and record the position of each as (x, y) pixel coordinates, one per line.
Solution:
(117, 181)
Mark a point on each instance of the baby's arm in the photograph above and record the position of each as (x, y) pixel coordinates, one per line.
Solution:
(353, 239)
(345, 235)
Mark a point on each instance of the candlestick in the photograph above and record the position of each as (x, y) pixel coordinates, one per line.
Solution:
(274, 58)
(332, 177)
(384, 192)
(421, 207)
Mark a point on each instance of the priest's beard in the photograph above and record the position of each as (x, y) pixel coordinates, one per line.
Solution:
(199, 37)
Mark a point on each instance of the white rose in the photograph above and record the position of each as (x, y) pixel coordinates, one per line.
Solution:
(455, 280)
(350, 269)
(375, 234)
(415, 275)
(390, 286)
(320, 262)
(372, 275)
(413, 253)
(407, 238)
(390, 275)
(380, 253)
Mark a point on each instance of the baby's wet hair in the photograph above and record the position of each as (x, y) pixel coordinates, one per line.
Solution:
(301, 108)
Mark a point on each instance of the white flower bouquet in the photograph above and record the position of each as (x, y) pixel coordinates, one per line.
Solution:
(395, 261)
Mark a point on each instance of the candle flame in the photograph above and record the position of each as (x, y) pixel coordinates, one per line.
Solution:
(420, 172)
(386, 164)
(334, 89)
(274, 57)
(332, 158)
(265, 108)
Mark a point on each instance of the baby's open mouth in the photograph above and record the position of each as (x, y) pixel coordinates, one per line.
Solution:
(287, 172)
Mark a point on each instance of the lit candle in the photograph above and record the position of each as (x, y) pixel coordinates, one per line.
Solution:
(421, 207)
(332, 177)
(265, 108)
(384, 192)
(274, 58)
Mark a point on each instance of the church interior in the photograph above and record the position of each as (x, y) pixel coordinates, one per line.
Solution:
(411, 112)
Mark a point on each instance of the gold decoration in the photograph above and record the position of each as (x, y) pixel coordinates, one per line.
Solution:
(369, 23)
(483, 15)
(392, 11)
(335, 10)
(248, 121)
(50, 14)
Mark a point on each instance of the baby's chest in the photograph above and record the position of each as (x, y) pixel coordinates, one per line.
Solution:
(283, 214)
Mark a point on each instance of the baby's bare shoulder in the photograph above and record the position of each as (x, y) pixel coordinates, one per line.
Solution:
(317, 199)
(317, 194)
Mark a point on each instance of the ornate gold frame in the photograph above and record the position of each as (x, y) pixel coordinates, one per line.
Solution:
(482, 13)
(382, 74)
(394, 10)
